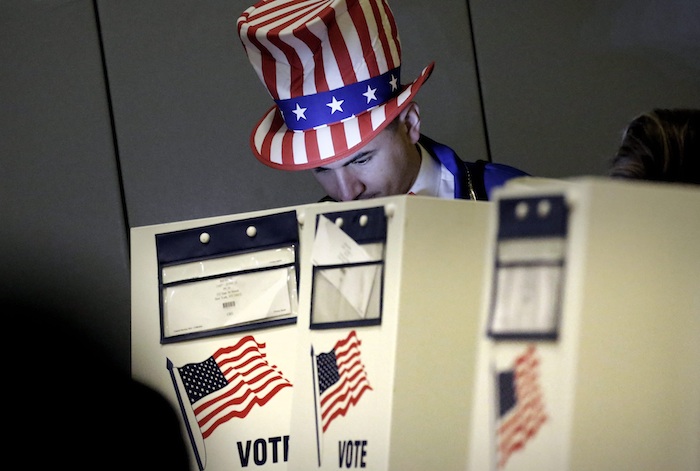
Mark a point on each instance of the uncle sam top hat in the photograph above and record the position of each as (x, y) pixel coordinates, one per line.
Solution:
(333, 69)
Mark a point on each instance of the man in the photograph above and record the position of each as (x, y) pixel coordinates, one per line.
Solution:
(333, 70)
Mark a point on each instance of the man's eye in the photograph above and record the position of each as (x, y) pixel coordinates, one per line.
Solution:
(318, 170)
(362, 160)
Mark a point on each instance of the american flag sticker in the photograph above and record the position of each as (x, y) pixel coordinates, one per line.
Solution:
(340, 382)
(520, 405)
(342, 379)
(226, 386)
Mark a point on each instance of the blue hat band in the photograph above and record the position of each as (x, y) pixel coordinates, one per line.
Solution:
(310, 111)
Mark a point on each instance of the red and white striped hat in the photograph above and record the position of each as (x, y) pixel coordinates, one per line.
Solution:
(333, 69)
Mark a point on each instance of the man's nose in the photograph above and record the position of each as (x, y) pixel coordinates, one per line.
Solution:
(349, 186)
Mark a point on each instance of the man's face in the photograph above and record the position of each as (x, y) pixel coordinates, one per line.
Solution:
(387, 165)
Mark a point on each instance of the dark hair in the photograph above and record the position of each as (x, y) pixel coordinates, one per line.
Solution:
(661, 145)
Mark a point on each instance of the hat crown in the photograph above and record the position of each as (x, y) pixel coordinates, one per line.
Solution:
(301, 48)
(333, 69)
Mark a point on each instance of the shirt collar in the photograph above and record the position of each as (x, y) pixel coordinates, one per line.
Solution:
(433, 178)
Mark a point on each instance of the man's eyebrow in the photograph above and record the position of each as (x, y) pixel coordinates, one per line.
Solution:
(361, 155)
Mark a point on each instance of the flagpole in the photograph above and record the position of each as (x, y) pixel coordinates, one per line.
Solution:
(493, 418)
(170, 367)
(315, 377)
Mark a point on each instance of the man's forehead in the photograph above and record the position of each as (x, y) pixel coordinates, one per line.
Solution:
(369, 148)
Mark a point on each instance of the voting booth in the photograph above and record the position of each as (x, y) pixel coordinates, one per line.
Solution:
(556, 327)
(321, 336)
(589, 349)
(214, 306)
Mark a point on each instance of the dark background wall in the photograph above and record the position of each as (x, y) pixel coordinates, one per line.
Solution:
(123, 113)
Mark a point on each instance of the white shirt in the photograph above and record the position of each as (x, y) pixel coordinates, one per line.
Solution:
(433, 178)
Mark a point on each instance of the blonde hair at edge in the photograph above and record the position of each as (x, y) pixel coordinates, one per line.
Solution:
(660, 145)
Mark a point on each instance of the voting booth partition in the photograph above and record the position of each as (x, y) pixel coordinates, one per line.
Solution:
(556, 327)
(591, 328)
(213, 323)
(321, 336)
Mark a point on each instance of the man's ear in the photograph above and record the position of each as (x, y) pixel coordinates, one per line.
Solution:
(410, 118)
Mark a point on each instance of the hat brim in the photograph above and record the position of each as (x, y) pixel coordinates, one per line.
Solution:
(278, 147)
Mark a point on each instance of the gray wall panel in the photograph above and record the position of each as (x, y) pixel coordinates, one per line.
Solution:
(185, 100)
(449, 101)
(63, 240)
(561, 80)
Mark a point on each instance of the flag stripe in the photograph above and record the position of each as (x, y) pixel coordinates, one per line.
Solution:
(239, 409)
(349, 379)
(521, 422)
(348, 396)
